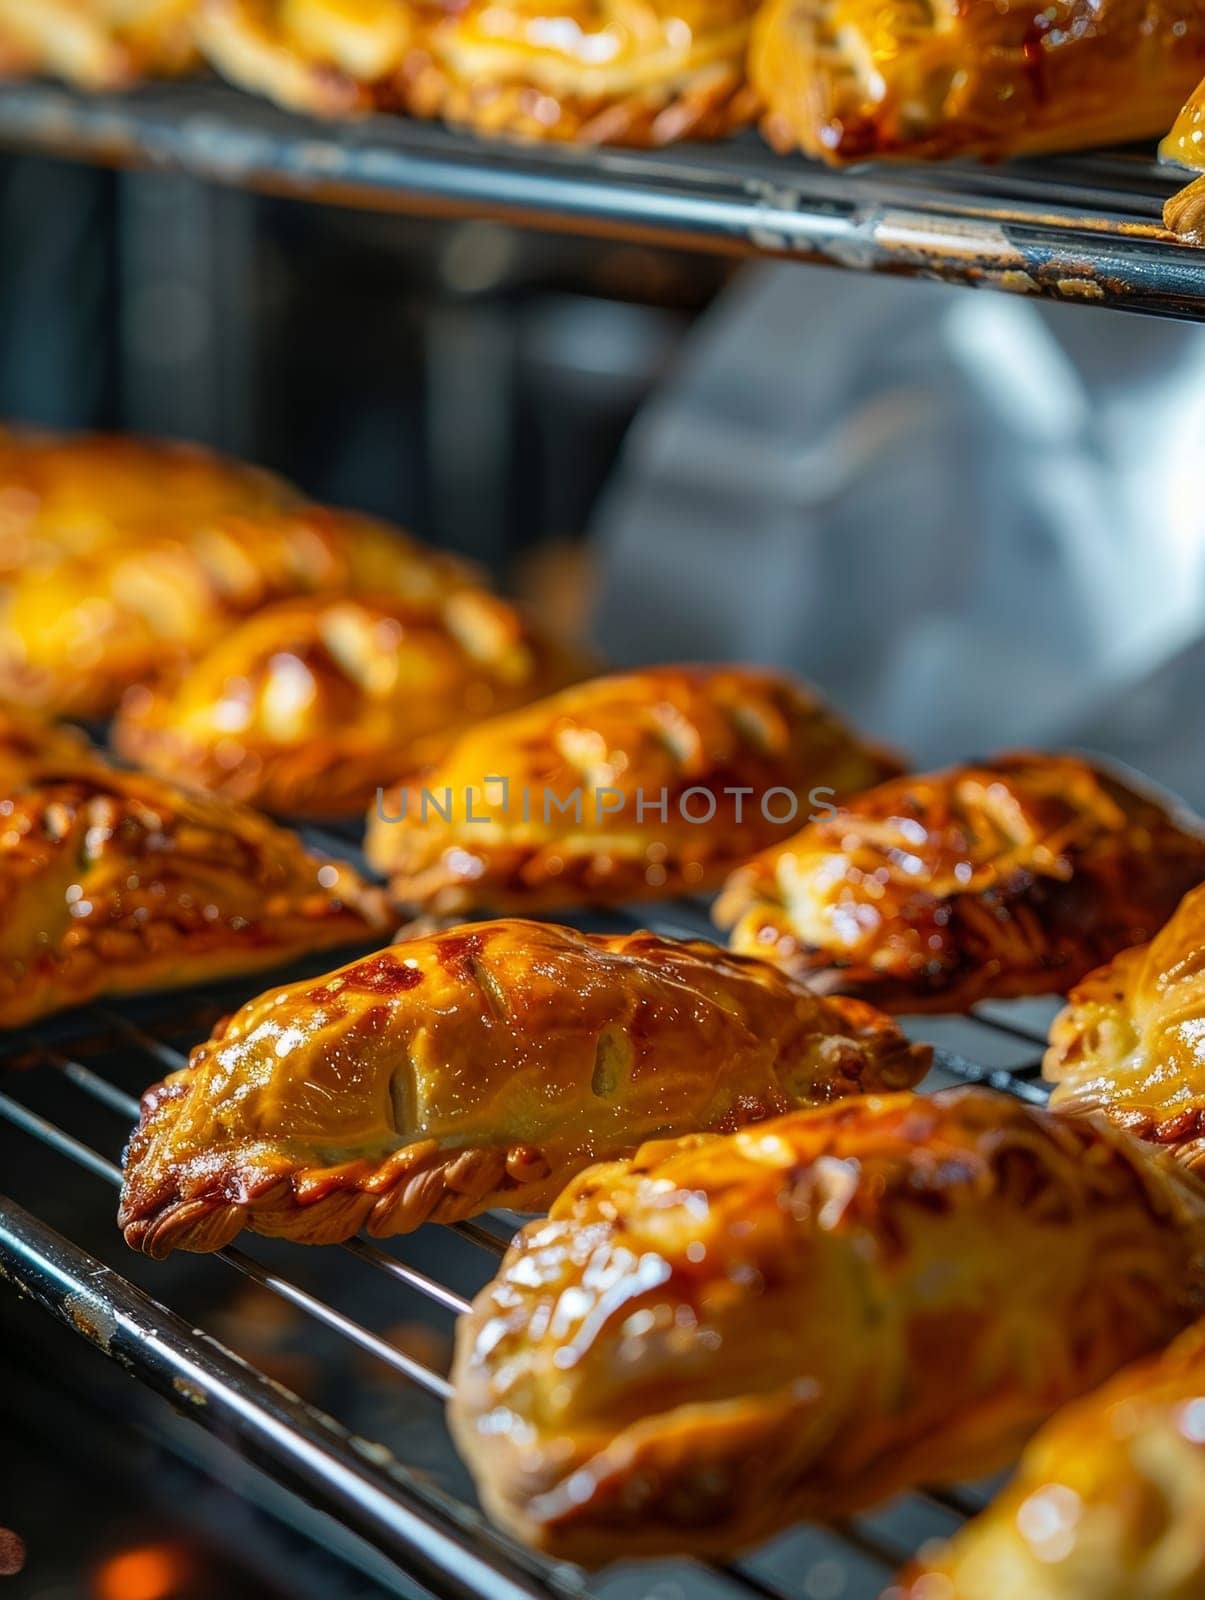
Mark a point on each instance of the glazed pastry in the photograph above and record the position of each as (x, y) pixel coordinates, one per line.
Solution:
(75, 635)
(721, 1336)
(71, 495)
(1108, 1504)
(693, 735)
(27, 743)
(643, 73)
(932, 893)
(112, 882)
(1184, 213)
(1131, 1042)
(309, 705)
(472, 1068)
(846, 80)
(96, 44)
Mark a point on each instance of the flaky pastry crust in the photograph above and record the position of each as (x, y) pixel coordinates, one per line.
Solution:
(1131, 1041)
(636, 72)
(1184, 146)
(308, 706)
(113, 882)
(97, 44)
(1108, 1503)
(620, 742)
(76, 634)
(477, 1067)
(931, 893)
(75, 494)
(847, 80)
(721, 1336)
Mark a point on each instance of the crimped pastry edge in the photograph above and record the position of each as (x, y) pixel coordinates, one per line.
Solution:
(423, 1181)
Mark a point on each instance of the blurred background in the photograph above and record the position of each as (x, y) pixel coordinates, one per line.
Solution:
(975, 521)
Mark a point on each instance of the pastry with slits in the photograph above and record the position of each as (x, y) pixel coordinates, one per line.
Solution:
(848, 80)
(720, 1336)
(97, 44)
(634, 786)
(1012, 877)
(74, 494)
(310, 705)
(1131, 1041)
(478, 1067)
(113, 883)
(1108, 1503)
(74, 635)
(634, 72)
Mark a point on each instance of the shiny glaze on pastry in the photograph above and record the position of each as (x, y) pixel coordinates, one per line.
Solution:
(76, 634)
(722, 1336)
(931, 893)
(1131, 1041)
(26, 742)
(477, 1067)
(1108, 1504)
(1184, 213)
(846, 80)
(690, 731)
(113, 882)
(96, 44)
(309, 705)
(74, 494)
(637, 72)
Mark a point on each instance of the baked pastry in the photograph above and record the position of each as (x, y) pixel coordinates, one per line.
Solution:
(97, 44)
(67, 495)
(633, 786)
(477, 1067)
(720, 1336)
(113, 882)
(1013, 877)
(847, 80)
(641, 73)
(27, 742)
(309, 705)
(76, 634)
(1131, 1041)
(1108, 1504)
(1184, 146)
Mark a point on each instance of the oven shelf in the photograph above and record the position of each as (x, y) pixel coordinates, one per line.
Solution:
(80, 1075)
(1082, 228)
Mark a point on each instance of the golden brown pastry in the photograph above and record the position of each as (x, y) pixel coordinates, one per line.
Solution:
(477, 1067)
(932, 893)
(1184, 213)
(637, 72)
(1108, 1504)
(721, 1336)
(112, 882)
(97, 44)
(68, 495)
(76, 634)
(310, 705)
(846, 80)
(27, 743)
(587, 775)
(1131, 1042)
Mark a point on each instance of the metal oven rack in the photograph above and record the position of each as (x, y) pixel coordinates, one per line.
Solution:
(433, 1537)
(1083, 228)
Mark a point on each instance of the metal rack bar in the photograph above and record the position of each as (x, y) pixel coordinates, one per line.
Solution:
(1084, 229)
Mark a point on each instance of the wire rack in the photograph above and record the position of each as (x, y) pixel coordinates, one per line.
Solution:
(435, 1537)
(1084, 228)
